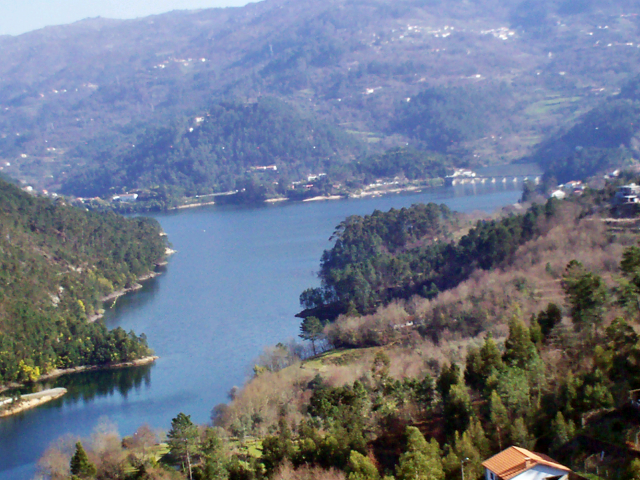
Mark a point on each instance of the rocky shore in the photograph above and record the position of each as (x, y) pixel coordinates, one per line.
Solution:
(11, 406)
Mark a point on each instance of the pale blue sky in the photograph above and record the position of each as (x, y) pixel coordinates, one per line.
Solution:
(20, 16)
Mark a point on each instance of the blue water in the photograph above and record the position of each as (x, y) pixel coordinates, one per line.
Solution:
(231, 290)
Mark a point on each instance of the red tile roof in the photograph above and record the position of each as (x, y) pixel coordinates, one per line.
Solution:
(515, 460)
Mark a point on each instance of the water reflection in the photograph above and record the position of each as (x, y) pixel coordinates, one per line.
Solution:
(133, 303)
(87, 386)
(232, 288)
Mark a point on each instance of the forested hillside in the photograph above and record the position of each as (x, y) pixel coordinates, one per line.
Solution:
(215, 152)
(484, 81)
(56, 263)
(606, 137)
(398, 254)
(536, 346)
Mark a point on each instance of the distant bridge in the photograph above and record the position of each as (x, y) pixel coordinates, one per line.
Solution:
(479, 179)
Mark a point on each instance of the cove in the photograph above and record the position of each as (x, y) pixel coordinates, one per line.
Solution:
(230, 290)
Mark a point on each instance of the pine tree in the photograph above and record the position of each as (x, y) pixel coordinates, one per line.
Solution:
(562, 431)
(311, 330)
(633, 470)
(478, 438)
(586, 293)
(361, 468)
(549, 318)
(482, 364)
(449, 377)
(457, 410)
(520, 434)
(183, 441)
(519, 349)
(499, 417)
(80, 464)
(421, 460)
(214, 463)
(469, 454)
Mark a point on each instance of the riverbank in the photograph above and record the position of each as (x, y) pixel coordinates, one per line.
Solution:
(133, 288)
(193, 205)
(91, 368)
(58, 372)
(26, 402)
(327, 197)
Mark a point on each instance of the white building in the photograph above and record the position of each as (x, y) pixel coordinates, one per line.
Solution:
(521, 464)
(628, 193)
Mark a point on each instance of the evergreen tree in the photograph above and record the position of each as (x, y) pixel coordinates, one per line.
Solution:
(482, 363)
(457, 410)
(311, 330)
(479, 438)
(499, 417)
(214, 462)
(519, 349)
(80, 465)
(469, 454)
(183, 441)
(421, 460)
(449, 377)
(519, 434)
(276, 449)
(361, 468)
(633, 470)
(535, 330)
(586, 293)
(562, 431)
(549, 318)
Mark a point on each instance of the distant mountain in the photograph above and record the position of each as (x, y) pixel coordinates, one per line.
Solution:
(530, 66)
(212, 152)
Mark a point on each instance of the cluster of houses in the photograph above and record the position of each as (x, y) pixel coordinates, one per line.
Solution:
(574, 187)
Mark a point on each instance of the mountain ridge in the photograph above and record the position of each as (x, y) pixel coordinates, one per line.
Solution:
(351, 63)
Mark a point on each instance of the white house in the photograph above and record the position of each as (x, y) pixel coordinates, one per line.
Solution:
(628, 194)
(521, 464)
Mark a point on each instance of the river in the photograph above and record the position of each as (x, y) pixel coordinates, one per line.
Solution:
(230, 290)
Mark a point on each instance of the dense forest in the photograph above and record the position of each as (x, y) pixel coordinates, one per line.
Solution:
(398, 254)
(56, 264)
(443, 118)
(410, 390)
(220, 150)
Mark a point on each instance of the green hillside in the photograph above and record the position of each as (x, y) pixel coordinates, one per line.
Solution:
(606, 137)
(56, 263)
(219, 150)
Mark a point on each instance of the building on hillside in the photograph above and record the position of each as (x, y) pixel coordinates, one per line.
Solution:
(125, 197)
(521, 464)
(627, 194)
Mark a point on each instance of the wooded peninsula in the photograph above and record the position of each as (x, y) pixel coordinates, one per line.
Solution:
(58, 262)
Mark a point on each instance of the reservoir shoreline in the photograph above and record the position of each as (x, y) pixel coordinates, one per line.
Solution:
(233, 290)
(27, 402)
(93, 318)
(58, 372)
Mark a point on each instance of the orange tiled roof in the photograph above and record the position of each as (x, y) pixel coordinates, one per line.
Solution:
(515, 460)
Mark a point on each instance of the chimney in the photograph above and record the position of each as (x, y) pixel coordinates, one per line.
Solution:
(527, 462)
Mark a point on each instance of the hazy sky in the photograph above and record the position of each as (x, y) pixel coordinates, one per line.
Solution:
(20, 16)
